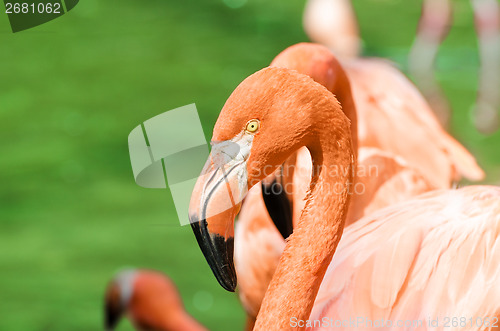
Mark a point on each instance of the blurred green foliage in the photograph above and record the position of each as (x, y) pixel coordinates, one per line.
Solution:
(71, 91)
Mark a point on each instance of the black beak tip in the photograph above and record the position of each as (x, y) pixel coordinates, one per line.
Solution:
(112, 316)
(227, 278)
(218, 252)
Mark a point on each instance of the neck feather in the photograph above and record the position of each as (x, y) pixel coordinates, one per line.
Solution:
(182, 321)
(342, 90)
(310, 248)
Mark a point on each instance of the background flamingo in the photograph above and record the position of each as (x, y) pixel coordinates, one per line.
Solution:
(267, 97)
(151, 301)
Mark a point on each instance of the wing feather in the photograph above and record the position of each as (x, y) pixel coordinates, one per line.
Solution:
(386, 102)
(433, 257)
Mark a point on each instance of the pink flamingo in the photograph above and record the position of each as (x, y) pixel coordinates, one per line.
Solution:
(271, 114)
(151, 301)
(259, 243)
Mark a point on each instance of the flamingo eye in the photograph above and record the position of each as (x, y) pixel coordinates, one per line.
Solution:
(252, 126)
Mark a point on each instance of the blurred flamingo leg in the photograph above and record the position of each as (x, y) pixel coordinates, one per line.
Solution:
(487, 21)
(433, 28)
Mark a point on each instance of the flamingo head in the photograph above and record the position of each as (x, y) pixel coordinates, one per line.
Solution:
(314, 60)
(267, 118)
(149, 298)
(117, 298)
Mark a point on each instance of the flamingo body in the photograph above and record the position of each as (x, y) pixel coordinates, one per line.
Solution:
(393, 116)
(435, 256)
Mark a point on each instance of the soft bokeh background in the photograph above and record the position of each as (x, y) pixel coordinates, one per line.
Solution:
(70, 92)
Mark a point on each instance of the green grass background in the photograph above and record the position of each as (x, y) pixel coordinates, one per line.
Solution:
(72, 89)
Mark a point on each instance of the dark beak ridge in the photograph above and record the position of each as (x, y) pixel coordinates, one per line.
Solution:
(218, 251)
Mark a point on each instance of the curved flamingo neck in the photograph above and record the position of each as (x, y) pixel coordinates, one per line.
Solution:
(320, 64)
(342, 90)
(310, 248)
(181, 321)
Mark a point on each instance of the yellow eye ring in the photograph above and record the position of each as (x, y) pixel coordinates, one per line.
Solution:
(252, 126)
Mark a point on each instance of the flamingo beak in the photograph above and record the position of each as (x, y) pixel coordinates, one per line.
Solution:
(215, 202)
(113, 309)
